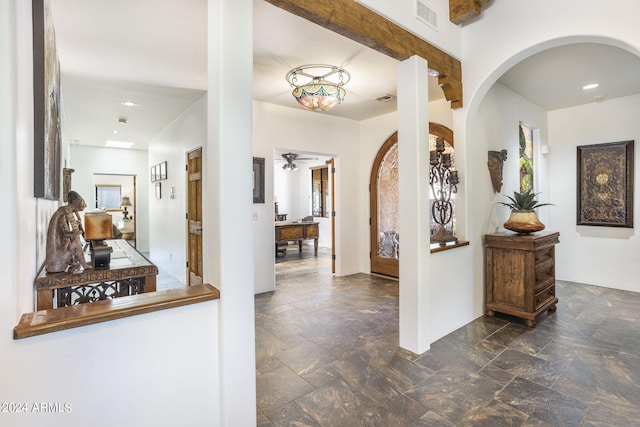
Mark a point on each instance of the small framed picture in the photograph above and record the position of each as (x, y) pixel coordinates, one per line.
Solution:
(163, 170)
(158, 190)
(258, 180)
(153, 174)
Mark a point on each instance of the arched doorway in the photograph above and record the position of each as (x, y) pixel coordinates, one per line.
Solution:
(384, 203)
(383, 196)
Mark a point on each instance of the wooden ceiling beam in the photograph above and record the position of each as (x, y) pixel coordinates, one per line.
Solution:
(352, 20)
(461, 11)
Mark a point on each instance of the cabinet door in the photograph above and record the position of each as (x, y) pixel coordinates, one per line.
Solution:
(508, 275)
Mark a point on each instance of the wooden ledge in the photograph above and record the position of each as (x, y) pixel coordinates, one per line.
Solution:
(59, 319)
(437, 248)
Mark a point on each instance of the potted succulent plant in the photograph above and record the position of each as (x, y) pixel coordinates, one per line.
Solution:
(523, 218)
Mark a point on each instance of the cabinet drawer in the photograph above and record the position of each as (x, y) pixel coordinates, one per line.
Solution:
(544, 254)
(544, 296)
(311, 232)
(289, 233)
(543, 267)
(545, 275)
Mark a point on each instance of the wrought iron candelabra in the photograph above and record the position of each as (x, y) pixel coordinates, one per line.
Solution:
(443, 181)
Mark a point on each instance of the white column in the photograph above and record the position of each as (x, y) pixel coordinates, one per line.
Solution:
(413, 161)
(227, 203)
(9, 254)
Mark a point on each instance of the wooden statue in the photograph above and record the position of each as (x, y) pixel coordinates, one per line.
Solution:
(64, 247)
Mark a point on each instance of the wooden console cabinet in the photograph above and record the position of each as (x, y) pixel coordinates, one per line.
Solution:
(520, 274)
(297, 231)
(129, 273)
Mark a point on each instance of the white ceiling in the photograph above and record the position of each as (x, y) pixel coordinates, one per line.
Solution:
(553, 79)
(154, 53)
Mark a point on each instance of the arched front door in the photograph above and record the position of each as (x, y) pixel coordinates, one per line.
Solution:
(384, 210)
(384, 204)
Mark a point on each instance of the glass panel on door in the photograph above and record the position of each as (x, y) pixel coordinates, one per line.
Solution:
(388, 203)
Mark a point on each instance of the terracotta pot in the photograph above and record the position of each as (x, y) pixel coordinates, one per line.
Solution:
(523, 222)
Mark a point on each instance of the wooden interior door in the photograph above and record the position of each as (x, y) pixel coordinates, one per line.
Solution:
(384, 220)
(194, 216)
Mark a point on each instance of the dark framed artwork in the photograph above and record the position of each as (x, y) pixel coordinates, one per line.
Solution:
(605, 176)
(163, 170)
(153, 174)
(158, 190)
(47, 168)
(258, 180)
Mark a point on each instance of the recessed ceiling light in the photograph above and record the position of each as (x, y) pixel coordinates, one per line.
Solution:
(590, 86)
(118, 144)
(115, 131)
(129, 104)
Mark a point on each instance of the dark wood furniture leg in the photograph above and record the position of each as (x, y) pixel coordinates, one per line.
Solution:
(149, 284)
(44, 298)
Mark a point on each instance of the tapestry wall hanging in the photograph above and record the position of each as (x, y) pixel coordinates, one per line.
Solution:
(605, 184)
(46, 105)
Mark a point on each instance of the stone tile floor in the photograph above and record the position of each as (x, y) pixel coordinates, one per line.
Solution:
(327, 355)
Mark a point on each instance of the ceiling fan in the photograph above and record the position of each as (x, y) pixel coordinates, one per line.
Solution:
(290, 160)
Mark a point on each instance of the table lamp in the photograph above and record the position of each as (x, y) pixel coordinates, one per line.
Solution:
(126, 202)
(98, 227)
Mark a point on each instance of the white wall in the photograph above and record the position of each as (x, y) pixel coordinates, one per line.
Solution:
(298, 130)
(167, 222)
(603, 256)
(282, 188)
(88, 160)
(496, 128)
(294, 191)
(84, 366)
(293, 188)
(484, 64)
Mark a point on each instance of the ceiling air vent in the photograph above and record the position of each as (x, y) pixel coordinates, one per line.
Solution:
(385, 98)
(427, 15)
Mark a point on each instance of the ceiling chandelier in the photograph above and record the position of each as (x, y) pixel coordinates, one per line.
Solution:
(321, 89)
